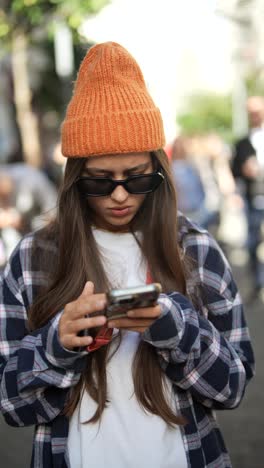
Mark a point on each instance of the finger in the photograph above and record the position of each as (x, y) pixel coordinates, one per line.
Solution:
(92, 299)
(94, 303)
(86, 292)
(85, 323)
(129, 323)
(88, 289)
(71, 342)
(145, 312)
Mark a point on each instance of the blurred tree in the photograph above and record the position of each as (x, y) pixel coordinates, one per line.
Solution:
(207, 112)
(20, 20)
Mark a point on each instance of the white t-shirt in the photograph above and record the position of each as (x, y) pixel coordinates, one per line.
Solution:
(127, 436)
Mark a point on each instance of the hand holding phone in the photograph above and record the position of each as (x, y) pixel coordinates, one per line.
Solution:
(81, 316)
(133, 308)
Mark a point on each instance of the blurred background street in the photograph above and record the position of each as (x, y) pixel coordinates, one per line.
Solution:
(203, 63)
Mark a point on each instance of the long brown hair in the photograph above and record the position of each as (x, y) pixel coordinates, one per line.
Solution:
(78, 260)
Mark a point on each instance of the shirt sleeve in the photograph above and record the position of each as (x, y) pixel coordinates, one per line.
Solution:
(205, 348)
(36, 372)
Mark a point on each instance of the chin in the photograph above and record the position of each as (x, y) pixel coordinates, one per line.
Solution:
(118, 224)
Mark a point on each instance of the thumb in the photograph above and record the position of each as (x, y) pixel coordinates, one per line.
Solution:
(88, 289)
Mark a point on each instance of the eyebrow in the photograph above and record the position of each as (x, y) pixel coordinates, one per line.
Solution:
(140, 167)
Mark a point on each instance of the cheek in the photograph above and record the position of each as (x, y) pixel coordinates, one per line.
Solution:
(96, 204)
(140, 199)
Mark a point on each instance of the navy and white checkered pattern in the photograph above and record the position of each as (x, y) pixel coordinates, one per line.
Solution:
(204, 349)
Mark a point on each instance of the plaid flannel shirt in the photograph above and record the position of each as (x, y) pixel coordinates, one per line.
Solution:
(204, 349)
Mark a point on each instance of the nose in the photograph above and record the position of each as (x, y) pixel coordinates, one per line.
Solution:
(120, 194)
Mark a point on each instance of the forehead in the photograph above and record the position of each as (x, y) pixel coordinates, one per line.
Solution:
(112, 162)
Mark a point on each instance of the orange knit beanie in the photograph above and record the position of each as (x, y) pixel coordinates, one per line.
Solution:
(111, 110)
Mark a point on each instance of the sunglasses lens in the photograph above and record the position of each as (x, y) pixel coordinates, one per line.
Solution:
(144, 183)
(95, 187)
(100, 187)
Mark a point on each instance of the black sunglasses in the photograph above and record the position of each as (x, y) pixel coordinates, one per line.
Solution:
(135, 184)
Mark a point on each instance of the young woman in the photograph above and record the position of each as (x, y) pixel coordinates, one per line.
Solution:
(136, 391)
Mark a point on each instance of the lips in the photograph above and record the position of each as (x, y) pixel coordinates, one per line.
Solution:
(119, 212)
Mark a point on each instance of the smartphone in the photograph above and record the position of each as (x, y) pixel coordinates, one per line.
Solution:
(119, 301)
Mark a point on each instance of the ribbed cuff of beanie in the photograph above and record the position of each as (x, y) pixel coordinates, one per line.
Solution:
(113, 133)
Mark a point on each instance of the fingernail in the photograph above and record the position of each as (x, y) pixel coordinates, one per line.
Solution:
(130, 313)
(100, 304)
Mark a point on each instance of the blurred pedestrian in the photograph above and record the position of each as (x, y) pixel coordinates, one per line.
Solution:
(248, 168)
(202, 176)
(188, 183)
(34, 195)
(11, 221)
(136, 390)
